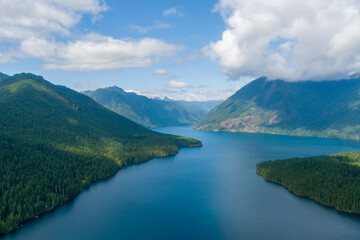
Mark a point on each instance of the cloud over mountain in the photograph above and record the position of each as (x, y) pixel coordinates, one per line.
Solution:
(289, 39)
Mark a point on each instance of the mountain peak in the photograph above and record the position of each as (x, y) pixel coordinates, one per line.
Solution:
(116, 88)
(355, 75)
(22, 76)
(6, 80)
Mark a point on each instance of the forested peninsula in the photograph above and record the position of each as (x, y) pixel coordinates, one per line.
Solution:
(55, 142)
(332, 180)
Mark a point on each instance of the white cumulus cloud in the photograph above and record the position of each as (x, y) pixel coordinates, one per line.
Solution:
(21, 19)
(95, 52)
(288, 39)
(43, 29)
(156, 26)
(178, 84)
(174, 11)
(161, 73)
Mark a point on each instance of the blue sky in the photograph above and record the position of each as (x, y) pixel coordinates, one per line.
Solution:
(192, 50)
(188, 24)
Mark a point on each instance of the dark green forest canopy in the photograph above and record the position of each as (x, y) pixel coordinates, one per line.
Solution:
(332, 180)
(328, 109)
(54, 142)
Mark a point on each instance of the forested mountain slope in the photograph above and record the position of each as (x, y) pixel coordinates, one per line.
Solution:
(323, 109)
(54, 142)
(145, 111)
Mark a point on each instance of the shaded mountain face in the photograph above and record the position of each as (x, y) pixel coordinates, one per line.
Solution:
(54, 142)
(3, 76)
(323, 109)
(145, 111)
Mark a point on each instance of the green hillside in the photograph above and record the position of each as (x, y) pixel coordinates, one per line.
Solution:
(324, 109)
(145, 111)
(332, 180)
(54, 142)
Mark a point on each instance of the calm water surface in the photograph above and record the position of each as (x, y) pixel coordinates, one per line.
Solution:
(210, 192)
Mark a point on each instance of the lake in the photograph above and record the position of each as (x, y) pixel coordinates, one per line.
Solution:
(210, 192)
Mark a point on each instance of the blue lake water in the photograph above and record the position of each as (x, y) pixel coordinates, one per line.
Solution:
(211, 192)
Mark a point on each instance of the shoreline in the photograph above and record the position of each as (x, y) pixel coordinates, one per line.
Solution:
(34, 218)
(310, 198)
(278, 134)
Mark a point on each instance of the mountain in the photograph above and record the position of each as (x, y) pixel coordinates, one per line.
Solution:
(200, 106)
(145, 111)
(323, 109)
(54, 142)
(355, 75)
(3, 76)
(331, 180)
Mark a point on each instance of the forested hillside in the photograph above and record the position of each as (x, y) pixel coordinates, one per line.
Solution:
(54, 142)
(2, 76)
(145, 111)
(332, 180)
(328, 109)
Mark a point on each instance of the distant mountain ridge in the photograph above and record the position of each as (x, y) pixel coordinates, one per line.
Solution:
(202, 106)
(323, 109)
(143, 110)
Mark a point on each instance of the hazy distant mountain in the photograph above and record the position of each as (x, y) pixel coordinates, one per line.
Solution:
(323, 109)
(145, 111)
(203, 106)
(54, 142)
(355, 75)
